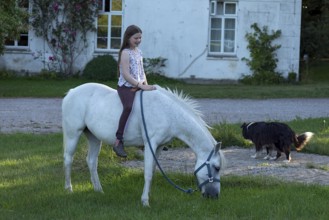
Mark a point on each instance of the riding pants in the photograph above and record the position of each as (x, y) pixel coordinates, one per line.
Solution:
(127, 96)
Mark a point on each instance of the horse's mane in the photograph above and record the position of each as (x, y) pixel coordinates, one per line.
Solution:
(190, 104)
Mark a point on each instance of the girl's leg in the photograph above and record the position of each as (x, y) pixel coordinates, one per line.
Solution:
(127, 96)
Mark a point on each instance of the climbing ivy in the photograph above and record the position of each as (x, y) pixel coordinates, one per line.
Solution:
(64, 25)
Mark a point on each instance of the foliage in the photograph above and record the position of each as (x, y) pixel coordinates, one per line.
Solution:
(315, 29)
(13, 21)
(263, 60)
(5, 74)
(229, 135)
(64, 25)
(292, 77)
(101, 68)
(154, 65)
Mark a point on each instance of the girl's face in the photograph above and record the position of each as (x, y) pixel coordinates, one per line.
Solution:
(135, 40)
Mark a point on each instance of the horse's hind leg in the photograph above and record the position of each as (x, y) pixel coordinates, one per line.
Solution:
(92, 159)
(70, 145)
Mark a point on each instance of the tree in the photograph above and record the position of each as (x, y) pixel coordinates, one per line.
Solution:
(315, 28)
(64, 25)
(13, 21)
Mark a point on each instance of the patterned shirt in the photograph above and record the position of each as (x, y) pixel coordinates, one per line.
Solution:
(136, 68)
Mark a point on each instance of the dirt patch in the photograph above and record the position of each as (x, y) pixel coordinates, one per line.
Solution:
(304, 168)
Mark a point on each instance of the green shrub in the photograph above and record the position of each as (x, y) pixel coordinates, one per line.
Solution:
(101, 68)
(292, 77)
(262, 78)
(263, 60)
(5, 74)
(154, 65)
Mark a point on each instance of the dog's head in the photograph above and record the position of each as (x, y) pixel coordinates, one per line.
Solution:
(245, 132)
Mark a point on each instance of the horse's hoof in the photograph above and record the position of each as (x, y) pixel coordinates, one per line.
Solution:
(146, 203)
(69, 189)
(99, 189)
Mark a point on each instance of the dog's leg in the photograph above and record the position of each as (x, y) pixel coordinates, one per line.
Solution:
(258, 151)
(256, 155)
(288, 155)
(278, 155)
(268, 152)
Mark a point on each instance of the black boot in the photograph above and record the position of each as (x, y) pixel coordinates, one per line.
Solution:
(119, 149)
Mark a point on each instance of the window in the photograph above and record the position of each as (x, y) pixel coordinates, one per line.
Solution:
(23, 40)
(223, 18)
(109, 25)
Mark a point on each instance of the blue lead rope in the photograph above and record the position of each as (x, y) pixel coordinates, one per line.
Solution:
(188, 191)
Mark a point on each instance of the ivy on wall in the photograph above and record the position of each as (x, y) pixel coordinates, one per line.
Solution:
(64, 25)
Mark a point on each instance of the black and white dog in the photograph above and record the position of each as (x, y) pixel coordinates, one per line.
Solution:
(274, 135)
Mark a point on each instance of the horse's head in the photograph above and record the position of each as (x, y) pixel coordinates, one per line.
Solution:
(207, 172)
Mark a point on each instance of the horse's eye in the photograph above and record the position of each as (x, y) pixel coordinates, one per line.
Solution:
(217, 168)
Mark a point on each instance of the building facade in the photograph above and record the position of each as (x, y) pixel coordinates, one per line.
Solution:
(202, 39)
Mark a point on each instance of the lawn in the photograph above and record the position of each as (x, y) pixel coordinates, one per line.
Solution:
(32, 187)
(316, 85)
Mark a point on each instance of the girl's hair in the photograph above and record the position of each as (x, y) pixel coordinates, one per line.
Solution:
(130, 31)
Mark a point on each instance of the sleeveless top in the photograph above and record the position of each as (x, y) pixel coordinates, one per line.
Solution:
(136, 68)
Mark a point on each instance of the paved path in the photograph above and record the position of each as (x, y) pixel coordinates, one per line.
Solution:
(36, 115)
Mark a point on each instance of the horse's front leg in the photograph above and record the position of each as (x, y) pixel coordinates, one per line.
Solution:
(149, 166)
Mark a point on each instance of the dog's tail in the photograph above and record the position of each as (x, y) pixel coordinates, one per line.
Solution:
(302, 139)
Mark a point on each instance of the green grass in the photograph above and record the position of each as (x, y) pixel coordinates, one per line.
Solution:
(315, 85)
(58, 88)
(32, 187)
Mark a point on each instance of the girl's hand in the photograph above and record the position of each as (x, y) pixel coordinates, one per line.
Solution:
(147, 87)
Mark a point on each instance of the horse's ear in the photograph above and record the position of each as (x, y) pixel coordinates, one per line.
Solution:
(218, 146)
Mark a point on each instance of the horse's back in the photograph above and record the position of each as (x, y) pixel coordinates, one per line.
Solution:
(80, 100)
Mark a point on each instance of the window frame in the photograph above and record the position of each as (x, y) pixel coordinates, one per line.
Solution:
(16, 45)
(223, 18)
(110, 14)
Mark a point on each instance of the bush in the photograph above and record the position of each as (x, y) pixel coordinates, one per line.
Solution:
(292, 77)
(263, 59)
(262, 78)
(101, 68)
(5, 74)
(154, 65)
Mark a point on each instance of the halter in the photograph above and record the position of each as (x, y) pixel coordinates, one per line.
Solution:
(210, 179)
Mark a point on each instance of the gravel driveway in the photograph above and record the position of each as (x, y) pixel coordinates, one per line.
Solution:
(36, 115)
(33, 115)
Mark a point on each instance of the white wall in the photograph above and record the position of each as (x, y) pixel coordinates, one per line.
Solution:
(178, 31)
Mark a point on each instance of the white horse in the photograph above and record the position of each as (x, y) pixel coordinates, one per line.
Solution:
(94, 109)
